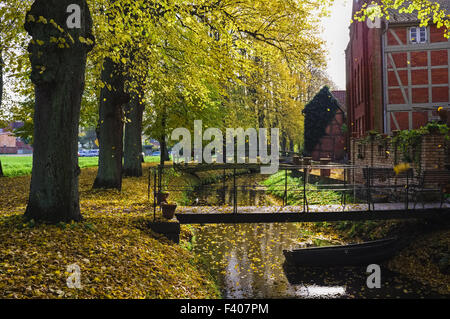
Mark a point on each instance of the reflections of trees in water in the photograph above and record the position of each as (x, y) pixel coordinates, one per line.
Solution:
(249, 263)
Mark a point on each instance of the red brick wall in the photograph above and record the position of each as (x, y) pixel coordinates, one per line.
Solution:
(415, 66)
(382, 153)
(364, 78)
(332, 145)
(8, 150)
(369, 93)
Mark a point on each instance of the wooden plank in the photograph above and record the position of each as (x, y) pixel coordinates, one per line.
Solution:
(246, 218)
(397, 127)
(402, 88)
(417, 47)
(414, 107)
(396, 36)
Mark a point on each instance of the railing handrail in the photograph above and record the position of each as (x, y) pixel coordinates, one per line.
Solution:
(303, 186)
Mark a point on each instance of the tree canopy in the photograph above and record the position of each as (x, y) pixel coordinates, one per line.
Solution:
(230, 63)
(427, 11)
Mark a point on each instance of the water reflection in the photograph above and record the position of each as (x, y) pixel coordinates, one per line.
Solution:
(248, 192)
(314, 291)
(248, 260)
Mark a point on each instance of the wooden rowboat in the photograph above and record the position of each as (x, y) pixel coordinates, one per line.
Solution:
(347, 255)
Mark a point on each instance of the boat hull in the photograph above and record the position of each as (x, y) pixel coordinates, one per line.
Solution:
(347, 255)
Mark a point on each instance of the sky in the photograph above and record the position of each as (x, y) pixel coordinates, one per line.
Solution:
(336, 34)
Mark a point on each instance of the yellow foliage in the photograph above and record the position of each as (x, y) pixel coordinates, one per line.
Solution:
(402, 167)
(119, 257)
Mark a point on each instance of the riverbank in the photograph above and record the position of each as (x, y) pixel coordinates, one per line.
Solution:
(116, 253)
(425, 258)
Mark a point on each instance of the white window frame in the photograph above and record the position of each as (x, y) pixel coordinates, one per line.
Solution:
(418, 39)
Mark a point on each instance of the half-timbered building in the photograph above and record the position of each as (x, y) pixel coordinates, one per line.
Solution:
(397, 73)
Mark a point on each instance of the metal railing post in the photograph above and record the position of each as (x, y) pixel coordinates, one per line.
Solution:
(285, 188)
(154, 195)
(234, 191)
(407, 190)
(305, 169)
(160, 179)
(149, 181)
(353, 181)
(345, 189)
(224, 198)
(369, 176)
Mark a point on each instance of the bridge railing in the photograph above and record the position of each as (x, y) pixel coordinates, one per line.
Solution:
(377, 180)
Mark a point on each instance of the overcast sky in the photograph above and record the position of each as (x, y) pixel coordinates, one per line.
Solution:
(336, 34)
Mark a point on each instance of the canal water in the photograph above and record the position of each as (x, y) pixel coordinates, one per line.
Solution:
(248, 262)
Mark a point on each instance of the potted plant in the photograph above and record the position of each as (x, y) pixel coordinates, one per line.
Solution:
(168, 210)
(433, 128)
(161, 198)
(307, 161)
(372, 134)
(166, 176)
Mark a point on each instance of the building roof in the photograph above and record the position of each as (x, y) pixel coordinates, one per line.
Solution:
(340, 96)
(397, 17)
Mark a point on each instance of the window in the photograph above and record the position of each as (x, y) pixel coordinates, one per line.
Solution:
(360, 83)
(418, 35)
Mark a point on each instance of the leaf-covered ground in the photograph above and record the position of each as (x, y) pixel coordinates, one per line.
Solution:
(119, 257)
(422, 258)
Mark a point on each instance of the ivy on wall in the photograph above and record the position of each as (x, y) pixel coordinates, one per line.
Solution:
(406, 144)
(319, 112)
(409, 141)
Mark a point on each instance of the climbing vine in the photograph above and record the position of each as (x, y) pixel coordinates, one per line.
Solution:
(318, 115)
(409, 142)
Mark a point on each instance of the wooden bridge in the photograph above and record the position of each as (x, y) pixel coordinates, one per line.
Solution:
(308, 212)
(317, 213)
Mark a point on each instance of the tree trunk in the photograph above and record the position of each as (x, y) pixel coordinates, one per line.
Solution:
(58, 76)
(1, 95)
(283, 141)
(162, 140)
(110, 127)
(164, 151)
(1, 78)
(132, 165)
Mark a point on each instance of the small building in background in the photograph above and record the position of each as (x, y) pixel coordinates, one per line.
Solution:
(325, 126)
(10, 144)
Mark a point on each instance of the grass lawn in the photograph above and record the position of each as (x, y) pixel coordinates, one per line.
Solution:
(21, 165)
(275, 184)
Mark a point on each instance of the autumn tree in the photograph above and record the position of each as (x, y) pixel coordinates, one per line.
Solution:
(202, 40)
(134, 111)
(11, 38)
(1, 96)
(427, 11)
